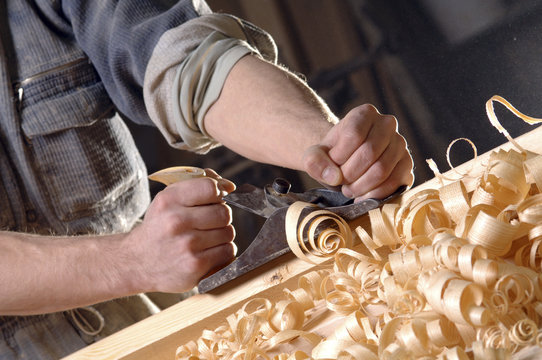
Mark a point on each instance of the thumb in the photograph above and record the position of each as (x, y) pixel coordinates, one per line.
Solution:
(320, 167)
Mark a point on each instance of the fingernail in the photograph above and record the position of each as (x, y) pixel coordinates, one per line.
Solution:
(331, 175)
(224, 184)
(347, 192)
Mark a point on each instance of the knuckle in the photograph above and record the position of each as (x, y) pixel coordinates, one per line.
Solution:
(208, 186)
(393, 184)
(229, 233)
(230, 251)
(407, 171)
(312, 163)
(364, 110)
(370, 153)
(352, 135)
(390, 122)
(349, 175)
(223, 213)
(381, 170)
(227, 252)
(402, 141)
(409, 160)
(405, 157)
(189, 243)
(409, 181)
(196, 264)
(161, 201)
(173, 224)
(352, 172)
(356, 123)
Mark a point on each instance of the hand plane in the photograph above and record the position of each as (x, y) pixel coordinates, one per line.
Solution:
(272, 202)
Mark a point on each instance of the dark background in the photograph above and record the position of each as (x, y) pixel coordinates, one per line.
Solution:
(432, 63)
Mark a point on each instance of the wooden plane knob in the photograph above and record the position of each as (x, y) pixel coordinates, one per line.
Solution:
(175, 174)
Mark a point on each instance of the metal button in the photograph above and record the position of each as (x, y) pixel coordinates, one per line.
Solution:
(281, 186)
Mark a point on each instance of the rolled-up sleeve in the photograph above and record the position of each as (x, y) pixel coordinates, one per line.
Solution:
(119, 38)
(187, 70)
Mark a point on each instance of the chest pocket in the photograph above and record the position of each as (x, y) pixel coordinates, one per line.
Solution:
(81, 150)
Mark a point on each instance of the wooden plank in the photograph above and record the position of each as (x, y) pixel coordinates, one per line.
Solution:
(158, 337)
(185, 321)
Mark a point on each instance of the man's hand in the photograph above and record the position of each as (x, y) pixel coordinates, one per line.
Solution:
(185, 234)
(364, 153)
(270, 115)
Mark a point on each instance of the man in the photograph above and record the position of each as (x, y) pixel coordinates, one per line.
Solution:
(69, 166)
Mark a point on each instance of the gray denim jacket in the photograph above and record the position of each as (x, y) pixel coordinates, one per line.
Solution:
(68, 164)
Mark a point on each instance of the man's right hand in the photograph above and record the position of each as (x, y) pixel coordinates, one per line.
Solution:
(186, 233)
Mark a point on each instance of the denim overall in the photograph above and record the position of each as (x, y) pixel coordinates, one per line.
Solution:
(68, 164)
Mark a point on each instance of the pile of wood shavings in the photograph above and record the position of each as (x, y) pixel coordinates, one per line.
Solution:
(447, 274)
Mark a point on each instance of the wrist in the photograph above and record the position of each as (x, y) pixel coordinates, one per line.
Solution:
(130, 264)
(272, 120)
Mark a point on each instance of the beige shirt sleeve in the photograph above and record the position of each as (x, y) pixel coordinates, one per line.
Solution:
(187, 70)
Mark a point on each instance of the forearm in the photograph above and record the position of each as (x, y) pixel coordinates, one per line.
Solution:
(267, 114)
(186, 232)
(40, 274)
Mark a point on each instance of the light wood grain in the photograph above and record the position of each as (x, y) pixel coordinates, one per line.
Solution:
(185, 321)
(158, 337)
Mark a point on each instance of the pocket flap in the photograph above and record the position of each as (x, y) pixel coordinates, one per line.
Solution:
(81, 107)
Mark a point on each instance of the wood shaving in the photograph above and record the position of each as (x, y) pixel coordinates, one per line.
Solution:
(445, 274)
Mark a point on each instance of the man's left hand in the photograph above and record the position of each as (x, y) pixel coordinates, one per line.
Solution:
(364, 153)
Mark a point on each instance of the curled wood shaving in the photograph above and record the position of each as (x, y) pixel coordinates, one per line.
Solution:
(494, 235)
(455, 200)
(524, 332)
(383, 231)
(533, 169)
(442, 332)
(495, 122)
(446, 274)
(530, 210)
(351, 329)
(433, 166)
(474, 149)
(334, 235)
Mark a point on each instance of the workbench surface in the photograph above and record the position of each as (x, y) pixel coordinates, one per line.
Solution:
(158, 336)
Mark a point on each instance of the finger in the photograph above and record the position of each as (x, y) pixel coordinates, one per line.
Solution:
(217, 257)
(379, 172)
(197, 240)
(207, 217)
(350, 133)
(380, 138)
(193, 192)
(320, 167)
(387, 151)
(223, 184)
(401, 175)
(204, 217)
(375, 175)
